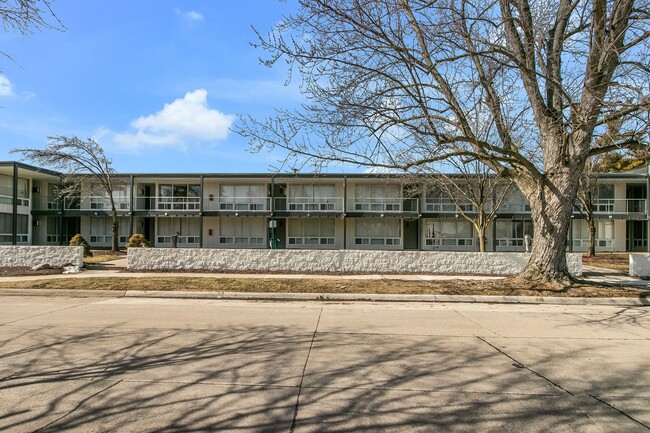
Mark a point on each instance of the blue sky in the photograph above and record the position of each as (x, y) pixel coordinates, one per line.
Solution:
(156, 82)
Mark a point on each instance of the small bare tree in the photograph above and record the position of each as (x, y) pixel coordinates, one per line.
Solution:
(475, 191)
(79, 161)
(588, 185)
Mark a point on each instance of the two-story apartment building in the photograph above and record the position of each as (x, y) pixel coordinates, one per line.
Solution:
(303, 211)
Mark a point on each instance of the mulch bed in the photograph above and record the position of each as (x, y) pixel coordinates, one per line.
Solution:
(23, 271)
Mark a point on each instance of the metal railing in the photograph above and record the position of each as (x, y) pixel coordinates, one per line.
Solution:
(309, 204)
(156, 203)
(383, 205)
(237, 204)
(8, 199)
(442, 205)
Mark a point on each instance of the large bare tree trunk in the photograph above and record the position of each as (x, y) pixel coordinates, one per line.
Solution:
(551, 215)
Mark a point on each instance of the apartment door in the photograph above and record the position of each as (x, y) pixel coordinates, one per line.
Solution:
(637, 235)
(149, 229)
(411, 234)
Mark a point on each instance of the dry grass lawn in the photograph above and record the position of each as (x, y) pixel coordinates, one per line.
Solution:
(101, 256)
(614, 261)
(505, 287)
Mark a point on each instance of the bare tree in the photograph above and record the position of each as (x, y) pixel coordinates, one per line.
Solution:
(79, 161)
(588, 185)
(474, 191)
(397, 84)
(26, 16)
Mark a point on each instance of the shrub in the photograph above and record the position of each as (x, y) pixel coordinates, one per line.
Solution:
(137, 241)
(78, 240)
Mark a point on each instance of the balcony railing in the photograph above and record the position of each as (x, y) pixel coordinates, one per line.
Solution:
(309, 204)
(92, 203)
(8, 199)
(238, 204)
(613, 206)
(514, 208)
(440, 205)
(182, 204)
(383, 205)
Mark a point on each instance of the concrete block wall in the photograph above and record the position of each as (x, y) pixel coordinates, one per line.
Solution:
(14, 256)
(334, 261)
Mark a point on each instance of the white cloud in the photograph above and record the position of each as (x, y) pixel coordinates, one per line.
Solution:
(189, 15)
(6, 89)
(184, 121)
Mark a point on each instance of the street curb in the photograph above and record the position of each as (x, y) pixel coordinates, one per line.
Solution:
(64, 293)
(361, 297)
(332, 297)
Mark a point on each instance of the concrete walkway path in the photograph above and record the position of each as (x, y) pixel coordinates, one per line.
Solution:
(133, 364)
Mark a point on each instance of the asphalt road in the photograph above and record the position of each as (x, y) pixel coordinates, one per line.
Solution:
(129, 364)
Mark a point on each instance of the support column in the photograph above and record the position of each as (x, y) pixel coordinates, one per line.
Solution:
(494, 234)
(345, 206)
(14, 223)
(131, 192)
(571, 234)
(201, 214)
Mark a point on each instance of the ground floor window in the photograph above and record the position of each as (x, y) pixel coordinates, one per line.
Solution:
(242, 231)
(101, 230)
(378, 232)
(316, 231)
(6, 228)
(604, 233)
(187, 229)
(511, 233)
(448, 232)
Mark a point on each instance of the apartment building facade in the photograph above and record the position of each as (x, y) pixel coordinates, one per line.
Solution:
(302, 211)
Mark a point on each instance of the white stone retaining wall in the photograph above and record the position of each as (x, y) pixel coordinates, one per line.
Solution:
(443, 262)
(13, 256)
(639, 265)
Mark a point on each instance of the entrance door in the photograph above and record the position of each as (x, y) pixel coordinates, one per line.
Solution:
(637, 236)
(411, 235)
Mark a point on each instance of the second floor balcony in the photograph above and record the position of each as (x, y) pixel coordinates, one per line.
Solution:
(309, 204)
(383, 205)
(442, 205)
(162, 204)
(238, 204)
(616, 206)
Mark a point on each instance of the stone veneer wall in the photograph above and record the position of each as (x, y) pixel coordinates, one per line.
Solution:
(13, 256)
(443, 262)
